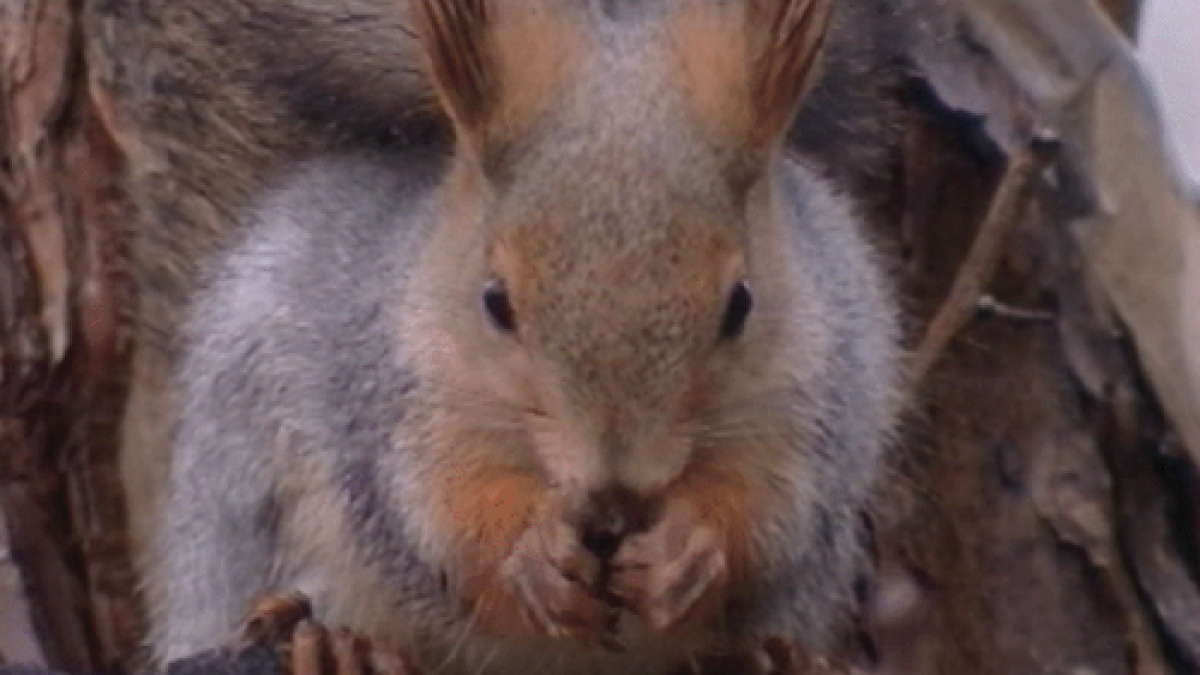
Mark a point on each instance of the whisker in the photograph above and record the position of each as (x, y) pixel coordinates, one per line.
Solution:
(460, 641)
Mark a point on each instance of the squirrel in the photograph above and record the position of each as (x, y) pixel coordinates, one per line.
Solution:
(301, 78)
(602, 385)
(298, 79)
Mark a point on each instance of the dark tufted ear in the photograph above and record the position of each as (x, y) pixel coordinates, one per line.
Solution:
(456, 41)
(784, 43)
(495, 64)
(746, 65)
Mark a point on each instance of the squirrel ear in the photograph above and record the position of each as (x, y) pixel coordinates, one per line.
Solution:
(494, 64)
(785, 39)
(455, 37)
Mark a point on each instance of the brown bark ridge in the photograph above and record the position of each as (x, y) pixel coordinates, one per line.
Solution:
(1051, 526)
(65, 306)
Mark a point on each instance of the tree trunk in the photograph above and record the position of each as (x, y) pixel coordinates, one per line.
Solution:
(65, 311)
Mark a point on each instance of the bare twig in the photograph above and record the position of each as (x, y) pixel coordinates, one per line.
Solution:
(990, 305)
(1006, 209)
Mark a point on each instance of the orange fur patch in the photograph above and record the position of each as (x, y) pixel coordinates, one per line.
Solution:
(487, 508)
(724, 502)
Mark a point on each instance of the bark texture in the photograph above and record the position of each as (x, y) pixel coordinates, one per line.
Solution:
(65, 311)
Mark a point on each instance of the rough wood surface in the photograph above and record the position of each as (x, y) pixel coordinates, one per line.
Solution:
(64, 308)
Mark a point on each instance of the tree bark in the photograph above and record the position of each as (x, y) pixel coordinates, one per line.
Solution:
(65, 308)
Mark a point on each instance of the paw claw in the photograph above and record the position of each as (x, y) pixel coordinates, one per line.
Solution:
(273, 619)
(663, 574)
(554, 579)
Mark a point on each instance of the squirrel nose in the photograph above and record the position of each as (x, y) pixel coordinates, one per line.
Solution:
(611, 515)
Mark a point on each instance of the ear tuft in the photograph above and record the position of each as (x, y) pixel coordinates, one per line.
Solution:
(785, 38)
(457, 44)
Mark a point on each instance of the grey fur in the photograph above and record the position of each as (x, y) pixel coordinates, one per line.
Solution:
(288, 358)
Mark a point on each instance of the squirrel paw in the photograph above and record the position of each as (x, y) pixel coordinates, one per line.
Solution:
(787, 658)
(272, 620)
(662, 574)
(316, 651)
(554, 578)
(772, 657)
(284, 624)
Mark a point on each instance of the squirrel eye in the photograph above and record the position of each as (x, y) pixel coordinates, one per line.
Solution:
(736, 311)
(498, 306)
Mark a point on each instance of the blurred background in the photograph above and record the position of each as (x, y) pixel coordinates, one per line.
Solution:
(1170, 46)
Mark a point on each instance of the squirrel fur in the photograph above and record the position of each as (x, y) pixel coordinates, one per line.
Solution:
(217, 98)
(615, 366)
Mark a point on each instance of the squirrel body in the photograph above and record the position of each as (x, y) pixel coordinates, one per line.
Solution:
(299, 79)
(618, 368)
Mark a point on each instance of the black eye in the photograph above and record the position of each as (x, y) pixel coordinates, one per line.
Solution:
(495, 301)
(736, 312)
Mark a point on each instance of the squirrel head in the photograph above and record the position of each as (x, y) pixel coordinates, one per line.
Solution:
(607, 273)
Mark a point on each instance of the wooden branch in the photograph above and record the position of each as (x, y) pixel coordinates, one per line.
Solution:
(1008, 206)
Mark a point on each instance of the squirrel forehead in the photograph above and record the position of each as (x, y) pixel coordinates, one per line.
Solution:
(615, 312)
(650, 222)
(585, 173)
(577, 248)
(618, 315)
(650, 273)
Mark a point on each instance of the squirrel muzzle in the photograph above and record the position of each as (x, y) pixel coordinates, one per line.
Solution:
(609, 516)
